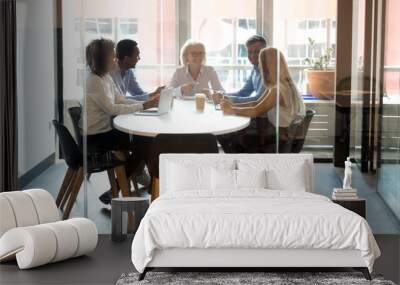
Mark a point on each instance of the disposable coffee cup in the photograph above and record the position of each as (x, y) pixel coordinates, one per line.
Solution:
(200, 102)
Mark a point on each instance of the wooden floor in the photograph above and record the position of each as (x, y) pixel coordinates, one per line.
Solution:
(106, 264)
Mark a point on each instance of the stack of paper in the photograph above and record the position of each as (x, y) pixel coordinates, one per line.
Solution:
(344, 194)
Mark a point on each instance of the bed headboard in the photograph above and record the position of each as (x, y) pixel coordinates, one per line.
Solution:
(269, 160)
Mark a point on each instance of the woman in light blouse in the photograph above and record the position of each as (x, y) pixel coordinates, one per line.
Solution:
(103, 101)
(277, 80)
(194, 76)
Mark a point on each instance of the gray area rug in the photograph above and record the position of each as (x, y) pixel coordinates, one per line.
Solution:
(243, 278)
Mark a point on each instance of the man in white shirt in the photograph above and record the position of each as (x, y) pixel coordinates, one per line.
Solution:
(128, 55)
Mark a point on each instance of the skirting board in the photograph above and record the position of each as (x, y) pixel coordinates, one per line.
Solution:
(35, 171)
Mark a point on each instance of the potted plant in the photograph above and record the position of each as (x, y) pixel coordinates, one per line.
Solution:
(320, 76)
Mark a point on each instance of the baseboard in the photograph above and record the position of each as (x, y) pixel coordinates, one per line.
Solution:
(35, 171)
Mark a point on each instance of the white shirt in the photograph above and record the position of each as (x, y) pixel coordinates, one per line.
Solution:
(294, 107)
(103, 102)
(207, 78)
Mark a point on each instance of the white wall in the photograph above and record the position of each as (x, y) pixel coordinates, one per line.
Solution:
(35, 82)
(73, 50)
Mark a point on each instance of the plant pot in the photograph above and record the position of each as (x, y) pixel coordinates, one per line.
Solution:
(321, 83)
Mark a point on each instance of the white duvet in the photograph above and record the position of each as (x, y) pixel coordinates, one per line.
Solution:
(250, 219)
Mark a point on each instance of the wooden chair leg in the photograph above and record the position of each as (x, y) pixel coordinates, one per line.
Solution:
(126, 191)
(74, 193)
(113, 183)
(122, 181)
(65, 184)
(155, 188)
(67, 193)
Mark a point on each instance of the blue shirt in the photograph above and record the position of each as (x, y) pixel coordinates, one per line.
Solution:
(127, 84)
(253, 84)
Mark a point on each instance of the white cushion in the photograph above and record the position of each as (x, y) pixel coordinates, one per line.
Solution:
(40, 244)
(22, 207)
(67, 239)
(7, 218)
(44, 204)
(223, 179)
(26, 208)
(231, 180)
(282, 174)
(251, 178)
(244, 162)
(87, 235)
(186, 175)
(293, 180)
(31, 233)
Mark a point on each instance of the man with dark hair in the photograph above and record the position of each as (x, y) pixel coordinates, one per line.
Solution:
(128, 55)
(253, 88)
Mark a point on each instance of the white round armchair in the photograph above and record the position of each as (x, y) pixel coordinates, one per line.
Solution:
(31, 231)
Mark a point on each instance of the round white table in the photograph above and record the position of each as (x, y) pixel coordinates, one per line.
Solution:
(182, 119)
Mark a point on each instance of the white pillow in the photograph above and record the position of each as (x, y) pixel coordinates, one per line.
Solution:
(295, 180)
(183, 178)
(186, 175)
(225, 179)
(251, 178)
(283, 173)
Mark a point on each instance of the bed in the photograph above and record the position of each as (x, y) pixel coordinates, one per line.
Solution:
(246, 211)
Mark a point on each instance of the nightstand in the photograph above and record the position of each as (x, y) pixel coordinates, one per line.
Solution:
(119, 225)
(358, 206)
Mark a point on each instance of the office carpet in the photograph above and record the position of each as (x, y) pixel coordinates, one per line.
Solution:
(243, 278)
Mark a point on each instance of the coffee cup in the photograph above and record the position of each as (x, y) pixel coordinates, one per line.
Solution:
(200, 102)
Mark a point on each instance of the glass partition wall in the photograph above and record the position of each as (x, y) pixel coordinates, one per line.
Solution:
(357, 84)
(389, 114)
(305, 39)
(152, 24)
(224, 27)
(305, 35)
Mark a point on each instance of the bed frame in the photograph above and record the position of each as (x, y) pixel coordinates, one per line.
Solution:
(242, 258)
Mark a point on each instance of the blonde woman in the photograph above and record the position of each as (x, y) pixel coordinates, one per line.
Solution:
(281, 92)
(194, 76)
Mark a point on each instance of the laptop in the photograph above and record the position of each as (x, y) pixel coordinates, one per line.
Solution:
(164, 105)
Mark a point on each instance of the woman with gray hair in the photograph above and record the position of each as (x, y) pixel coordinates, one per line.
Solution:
(194, 76)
